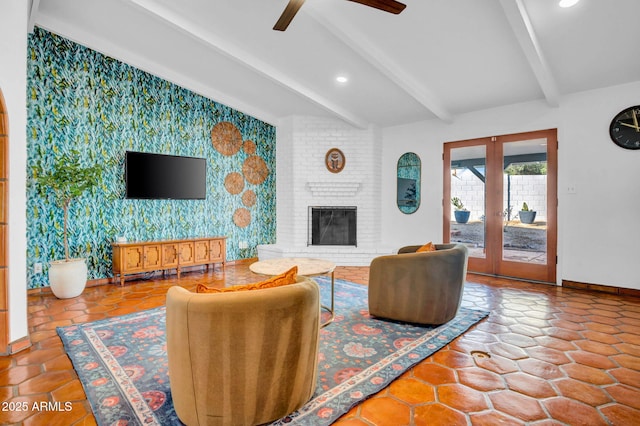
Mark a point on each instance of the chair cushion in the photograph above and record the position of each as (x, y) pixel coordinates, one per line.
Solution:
(427, 247)
(285, 278)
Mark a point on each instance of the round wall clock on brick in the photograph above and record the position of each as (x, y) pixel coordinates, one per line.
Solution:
(334, 160)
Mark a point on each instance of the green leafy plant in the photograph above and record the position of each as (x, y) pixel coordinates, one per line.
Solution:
(525, 207)
(537, 168)
(457, 203)
(66, 181)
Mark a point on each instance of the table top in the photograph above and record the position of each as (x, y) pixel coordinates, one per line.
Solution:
(169, 241)
(306, 266)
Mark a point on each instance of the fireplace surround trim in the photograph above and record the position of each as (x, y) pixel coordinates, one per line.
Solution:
(334, 189)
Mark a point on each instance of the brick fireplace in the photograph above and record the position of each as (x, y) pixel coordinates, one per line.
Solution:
(303, 181)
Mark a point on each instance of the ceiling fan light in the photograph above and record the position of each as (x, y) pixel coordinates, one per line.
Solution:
(568, 3)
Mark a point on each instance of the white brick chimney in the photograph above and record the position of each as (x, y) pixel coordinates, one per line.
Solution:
(302, 181)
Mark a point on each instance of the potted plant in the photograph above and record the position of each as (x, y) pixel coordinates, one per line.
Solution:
(461, 213)
(526, 215)
(66, 181)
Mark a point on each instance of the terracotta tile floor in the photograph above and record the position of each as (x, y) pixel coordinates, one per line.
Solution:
(545, 356)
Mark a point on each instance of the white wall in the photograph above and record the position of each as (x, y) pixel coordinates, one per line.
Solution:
(13, 82)
(601, 221)
(595, 244)
(426, 139)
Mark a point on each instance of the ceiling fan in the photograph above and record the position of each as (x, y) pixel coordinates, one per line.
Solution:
(391, 6)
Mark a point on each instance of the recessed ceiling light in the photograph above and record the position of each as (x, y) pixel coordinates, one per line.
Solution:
(568, 3)
(342, 79)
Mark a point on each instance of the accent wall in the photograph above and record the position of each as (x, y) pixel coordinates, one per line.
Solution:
(80, 102)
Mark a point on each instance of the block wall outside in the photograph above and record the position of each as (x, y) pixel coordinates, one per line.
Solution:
(524, 188)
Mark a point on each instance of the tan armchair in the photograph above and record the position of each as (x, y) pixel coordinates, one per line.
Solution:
(423, 288)
(242, 358)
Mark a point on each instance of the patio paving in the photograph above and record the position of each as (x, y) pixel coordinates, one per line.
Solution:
(522, 242)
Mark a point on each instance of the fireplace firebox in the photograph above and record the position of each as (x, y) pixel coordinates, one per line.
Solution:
(332, 226)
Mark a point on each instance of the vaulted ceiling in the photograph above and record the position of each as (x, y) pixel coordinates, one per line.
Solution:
(436, 60)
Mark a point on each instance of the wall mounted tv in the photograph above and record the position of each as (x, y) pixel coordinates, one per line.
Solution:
(159, 176)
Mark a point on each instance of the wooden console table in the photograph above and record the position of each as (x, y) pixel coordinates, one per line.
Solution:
(145, 256)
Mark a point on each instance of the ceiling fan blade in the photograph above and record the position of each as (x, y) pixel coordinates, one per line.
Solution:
(288, 14)
(390, 6)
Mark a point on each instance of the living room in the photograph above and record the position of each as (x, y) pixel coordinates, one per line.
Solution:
(603, 176)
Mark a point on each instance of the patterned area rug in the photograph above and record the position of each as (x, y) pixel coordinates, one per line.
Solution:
(122, 361)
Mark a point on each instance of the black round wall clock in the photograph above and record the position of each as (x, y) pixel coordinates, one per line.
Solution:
(625, 128)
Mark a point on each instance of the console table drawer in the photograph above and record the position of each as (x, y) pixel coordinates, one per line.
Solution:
(217, 250)
(187, 253)
(170, 255)
(152, 257)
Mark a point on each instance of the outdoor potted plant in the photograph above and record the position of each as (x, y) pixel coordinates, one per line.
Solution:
(526, 215)
(461, 213)
(66, 181)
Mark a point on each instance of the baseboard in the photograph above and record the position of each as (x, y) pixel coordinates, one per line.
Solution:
(340, 255)
(601, 288)
(17, 346)
(249, 261)
(186, 269)
(135, 277)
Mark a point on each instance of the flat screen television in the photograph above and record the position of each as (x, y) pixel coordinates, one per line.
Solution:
(159, 176)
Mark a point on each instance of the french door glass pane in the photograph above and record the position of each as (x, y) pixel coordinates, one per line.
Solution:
(525, 201)
(468, 176)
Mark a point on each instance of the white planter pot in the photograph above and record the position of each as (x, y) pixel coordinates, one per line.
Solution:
(68, 278)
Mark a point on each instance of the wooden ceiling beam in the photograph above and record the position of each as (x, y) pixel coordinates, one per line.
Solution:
(520, 22)
(379, 60)
(226, 47)
(33, 13)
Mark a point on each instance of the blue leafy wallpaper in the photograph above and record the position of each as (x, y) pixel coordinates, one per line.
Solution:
(82, 101)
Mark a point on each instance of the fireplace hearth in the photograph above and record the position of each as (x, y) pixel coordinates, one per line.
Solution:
(332, 226)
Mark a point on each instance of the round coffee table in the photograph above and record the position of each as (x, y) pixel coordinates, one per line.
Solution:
(307, 267)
